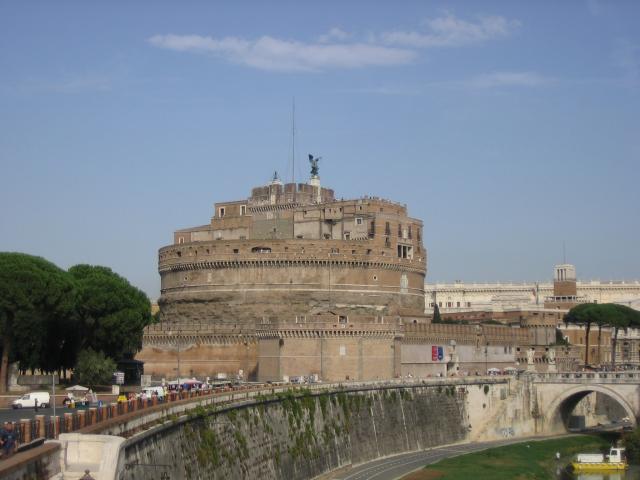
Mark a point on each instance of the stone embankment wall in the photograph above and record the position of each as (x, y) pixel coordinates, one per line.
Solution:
(300, 436)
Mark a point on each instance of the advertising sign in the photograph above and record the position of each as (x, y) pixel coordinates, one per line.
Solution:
(434, 353)
(440, 353)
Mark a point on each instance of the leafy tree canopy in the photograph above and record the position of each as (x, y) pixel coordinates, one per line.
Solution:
(94, 368)
(111, 312)
(36, 298)
(48, 315)
(605, 314)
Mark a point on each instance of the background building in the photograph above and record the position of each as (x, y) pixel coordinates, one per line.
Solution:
(461, 297)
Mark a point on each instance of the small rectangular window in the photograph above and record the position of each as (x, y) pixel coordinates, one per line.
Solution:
(358, 221)
(221, 211)
(243, 209)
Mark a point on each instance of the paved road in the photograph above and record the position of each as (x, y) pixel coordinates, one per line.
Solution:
(11, 415)
(399, 465)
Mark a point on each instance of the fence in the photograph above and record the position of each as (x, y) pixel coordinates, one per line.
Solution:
(49, 427)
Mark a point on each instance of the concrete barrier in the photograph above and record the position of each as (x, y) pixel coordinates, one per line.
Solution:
(97, 453)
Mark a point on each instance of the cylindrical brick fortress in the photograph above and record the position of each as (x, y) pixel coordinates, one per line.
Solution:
(295, 250)
(207, 281)
(289, 254)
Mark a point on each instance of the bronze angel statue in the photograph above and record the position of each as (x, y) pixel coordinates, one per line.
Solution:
(314, 165)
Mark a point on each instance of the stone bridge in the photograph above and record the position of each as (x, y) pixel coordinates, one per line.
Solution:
(557, 395)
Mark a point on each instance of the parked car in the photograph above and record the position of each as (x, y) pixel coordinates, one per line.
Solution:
(159, 391)
(29, 400)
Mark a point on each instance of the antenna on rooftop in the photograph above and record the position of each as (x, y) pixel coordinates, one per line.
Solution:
(293, 144)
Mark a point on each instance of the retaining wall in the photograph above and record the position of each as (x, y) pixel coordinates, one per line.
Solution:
(299, 437)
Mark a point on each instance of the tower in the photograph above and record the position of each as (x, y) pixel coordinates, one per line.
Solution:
(564, 281)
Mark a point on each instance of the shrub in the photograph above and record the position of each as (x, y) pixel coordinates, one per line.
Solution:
(94, 368)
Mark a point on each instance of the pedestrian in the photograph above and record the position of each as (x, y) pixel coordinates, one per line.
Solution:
(8, 439)
(35, 403)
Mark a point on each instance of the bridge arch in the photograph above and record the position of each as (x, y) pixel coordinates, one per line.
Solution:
(563, 405)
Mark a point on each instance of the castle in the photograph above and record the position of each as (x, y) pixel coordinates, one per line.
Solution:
(295, 250)
(292, 282)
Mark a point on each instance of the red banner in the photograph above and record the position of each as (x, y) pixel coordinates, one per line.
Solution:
(434, 353)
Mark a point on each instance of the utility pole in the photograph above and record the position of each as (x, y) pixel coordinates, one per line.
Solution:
(53, 400)
(178, 340)
(486, 354)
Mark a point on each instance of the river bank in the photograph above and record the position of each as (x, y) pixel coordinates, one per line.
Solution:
(530, 460)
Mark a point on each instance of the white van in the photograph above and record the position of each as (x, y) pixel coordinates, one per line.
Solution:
(159, 391)
(29, 400)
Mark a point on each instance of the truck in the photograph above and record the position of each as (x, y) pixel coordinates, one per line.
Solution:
(29, 400)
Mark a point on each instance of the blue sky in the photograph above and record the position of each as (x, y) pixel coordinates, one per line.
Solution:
(508, 127)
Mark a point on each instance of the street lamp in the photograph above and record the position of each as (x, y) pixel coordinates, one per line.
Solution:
(486, 353)
(177, 344)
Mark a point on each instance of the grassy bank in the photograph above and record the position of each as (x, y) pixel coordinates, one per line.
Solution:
(523, 461)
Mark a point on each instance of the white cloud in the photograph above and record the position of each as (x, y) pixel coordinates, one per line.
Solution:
(269, 53)
(334, 35)
(509, 79)
(338, 48)
(450, 31)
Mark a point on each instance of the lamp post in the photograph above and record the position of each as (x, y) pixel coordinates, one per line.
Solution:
(486, 354)
(177, 344)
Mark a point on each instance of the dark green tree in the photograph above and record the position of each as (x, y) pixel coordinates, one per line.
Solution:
(94, 368)
(36, 298)
(111, 312)
(611, 315)
(436, 314)
(619, 317)
(631, 443)
(586, 314)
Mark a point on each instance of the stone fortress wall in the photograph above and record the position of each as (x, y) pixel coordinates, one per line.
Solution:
(337, 348)
(295, 249)
(246, 279)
